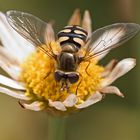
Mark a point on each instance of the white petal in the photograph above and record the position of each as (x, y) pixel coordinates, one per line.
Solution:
(58, 105)
(49, 34)
(71, 100)
(10, 83)
(75, 18)
(86, 23)
(12, 41)
(12, 70)
(120, 69)
(109, 67)
(9, 63)
(36, 106)
(94, 98)
(27, 47)
(14, 93)
(6, 55)
(111, 90)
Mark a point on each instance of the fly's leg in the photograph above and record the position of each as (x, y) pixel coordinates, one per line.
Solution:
(49, 72)
(67, 87)
(47, 75)
(78, 86)
(79, 83)
(86, 69)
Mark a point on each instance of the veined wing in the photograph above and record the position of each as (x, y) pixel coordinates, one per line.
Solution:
(30, 27)
(109, 37)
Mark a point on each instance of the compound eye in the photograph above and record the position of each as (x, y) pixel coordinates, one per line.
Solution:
(58, 75)
(73, 77)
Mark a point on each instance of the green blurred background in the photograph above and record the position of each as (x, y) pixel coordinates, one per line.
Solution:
(112, 119)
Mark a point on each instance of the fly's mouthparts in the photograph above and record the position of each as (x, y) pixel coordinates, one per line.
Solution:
(64, 86)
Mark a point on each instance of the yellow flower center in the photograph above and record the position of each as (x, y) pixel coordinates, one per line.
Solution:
(38, 75)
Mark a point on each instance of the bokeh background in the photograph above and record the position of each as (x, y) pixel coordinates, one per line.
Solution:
(112, 119)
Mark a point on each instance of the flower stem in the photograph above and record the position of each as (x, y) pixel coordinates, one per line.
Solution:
(56, 128)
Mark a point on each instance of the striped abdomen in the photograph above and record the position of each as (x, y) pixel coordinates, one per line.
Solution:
(72, 35)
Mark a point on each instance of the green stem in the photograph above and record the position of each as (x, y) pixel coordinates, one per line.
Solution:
(56, 128)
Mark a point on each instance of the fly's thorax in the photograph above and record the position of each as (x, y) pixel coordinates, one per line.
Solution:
(67, 61)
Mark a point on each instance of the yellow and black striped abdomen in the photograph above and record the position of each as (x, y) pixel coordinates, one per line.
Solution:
(72, 35)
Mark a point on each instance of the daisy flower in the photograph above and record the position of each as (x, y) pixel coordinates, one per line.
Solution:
(31, 68)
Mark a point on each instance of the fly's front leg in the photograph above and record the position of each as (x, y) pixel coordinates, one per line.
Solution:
(47, 74)
(67, 87)
(50, 71)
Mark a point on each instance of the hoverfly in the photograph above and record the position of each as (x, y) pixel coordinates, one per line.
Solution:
(72, 39)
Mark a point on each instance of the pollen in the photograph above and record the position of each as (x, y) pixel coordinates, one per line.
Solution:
(37, 72)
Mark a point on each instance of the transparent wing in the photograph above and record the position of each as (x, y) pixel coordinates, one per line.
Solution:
(109, 37)
(30, 27)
